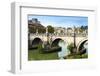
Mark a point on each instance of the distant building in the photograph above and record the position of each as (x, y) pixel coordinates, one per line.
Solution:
(69, 30)
(60, 30)
(35, 20)
(34, 26)
(77, 30)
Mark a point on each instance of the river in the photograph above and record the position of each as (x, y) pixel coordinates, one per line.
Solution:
(64, 51)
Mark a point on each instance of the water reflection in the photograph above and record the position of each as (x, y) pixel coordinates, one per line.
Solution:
(64, 51)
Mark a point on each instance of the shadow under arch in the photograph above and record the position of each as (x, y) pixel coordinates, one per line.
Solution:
(56, 42)
(80, 47)
(36, 42)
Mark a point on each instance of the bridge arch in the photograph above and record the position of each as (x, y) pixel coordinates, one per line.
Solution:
(56, 41)
(36, 41)
(80, 46)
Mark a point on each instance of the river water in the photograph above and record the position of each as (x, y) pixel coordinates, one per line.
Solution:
(64, 51)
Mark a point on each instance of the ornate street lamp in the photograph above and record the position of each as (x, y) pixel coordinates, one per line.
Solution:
(74, 38)
(47, 34)
(29, 40)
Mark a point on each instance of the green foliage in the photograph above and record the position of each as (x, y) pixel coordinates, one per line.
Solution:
(50, 29)
(76, 56)
(41, 30)
(32, 30)
(40, 48)
(53, 49)
(34, 54)
(84, 55)
(70, 47)
(83, 28)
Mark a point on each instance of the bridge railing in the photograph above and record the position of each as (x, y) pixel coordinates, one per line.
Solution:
(59, 34)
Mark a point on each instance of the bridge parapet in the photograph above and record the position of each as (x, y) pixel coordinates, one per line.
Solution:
(68, 38)
(60, 34)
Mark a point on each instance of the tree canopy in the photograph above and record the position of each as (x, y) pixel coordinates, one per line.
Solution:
(50, 29)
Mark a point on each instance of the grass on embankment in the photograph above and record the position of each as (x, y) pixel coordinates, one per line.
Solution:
(36, 55)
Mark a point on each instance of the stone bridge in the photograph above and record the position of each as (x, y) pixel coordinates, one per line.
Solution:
(52, 38)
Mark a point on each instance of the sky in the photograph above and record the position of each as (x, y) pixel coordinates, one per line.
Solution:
(61, 21)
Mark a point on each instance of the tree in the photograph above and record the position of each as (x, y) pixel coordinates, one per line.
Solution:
(83, 28)
(50, 29)
(70, 47)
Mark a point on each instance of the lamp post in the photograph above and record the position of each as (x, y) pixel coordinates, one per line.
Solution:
(74, 37)
(47, 34)
(29, 40)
